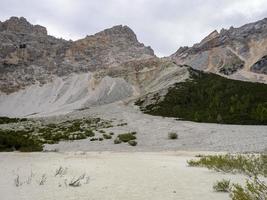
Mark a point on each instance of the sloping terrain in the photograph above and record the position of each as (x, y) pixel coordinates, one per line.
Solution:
(207, 97)
(237, 52)
(29, 56)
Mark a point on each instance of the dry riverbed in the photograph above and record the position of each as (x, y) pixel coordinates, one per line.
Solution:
(107, 176)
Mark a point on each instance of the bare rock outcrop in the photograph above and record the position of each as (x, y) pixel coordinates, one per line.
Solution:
(237, 50)
(29, 56)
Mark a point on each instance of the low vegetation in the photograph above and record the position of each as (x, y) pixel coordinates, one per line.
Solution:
(253, 166)
(7, 120)
(126, 137)
(132, 142)
(207, 97)
(222, 186)
(19, 141)
(172, 136)
(31, 135)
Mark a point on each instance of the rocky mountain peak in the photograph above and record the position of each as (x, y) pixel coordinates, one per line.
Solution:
(118, 31)
(29, 56)
(21, 25)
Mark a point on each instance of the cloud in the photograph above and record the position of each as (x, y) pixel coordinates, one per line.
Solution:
(164, 25)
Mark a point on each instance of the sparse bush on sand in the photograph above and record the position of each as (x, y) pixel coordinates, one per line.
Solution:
(222, 186)
(253, 166)
(132, 142)
(172, 136)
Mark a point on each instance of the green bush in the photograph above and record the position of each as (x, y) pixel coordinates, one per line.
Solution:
(117, 141)
(247, 164)
(89, 133)
(222, 186)
(172, 136)
(106, 136)
(7, 120)
(19, 141)
(253, 190)
(125, 137)
(253, 166)
(132, 142)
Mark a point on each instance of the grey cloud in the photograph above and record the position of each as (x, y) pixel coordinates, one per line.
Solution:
(164, 25)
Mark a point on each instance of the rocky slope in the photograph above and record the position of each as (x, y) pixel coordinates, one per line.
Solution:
(43, 75)
(29, 56)
(238, 52)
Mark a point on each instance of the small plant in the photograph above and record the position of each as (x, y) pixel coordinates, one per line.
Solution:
(60, 171)
(93, 139)
(100, 139)
(111, 133)
(126, 137)
(117, 141)
(102, 131)
(172, 136)
(76, 182)
(43, 179)
(17, 181)
(222, 186)
(106, 136)
(122, 124)
(132, 142)
(89, 133)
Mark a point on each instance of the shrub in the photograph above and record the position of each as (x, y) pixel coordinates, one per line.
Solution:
(111, 133)
(106, 136)
(7, 120)
(247, 164)
(222, 186)
(125, 137)
(253, 166)
(101, 131)
(117, 141)
(100, 139)
(172, 136)
(20, 141)
(132, 142)
(89, 133)
(253, 190)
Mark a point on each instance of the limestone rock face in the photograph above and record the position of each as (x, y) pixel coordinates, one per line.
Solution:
(232, 52)
(29, 56)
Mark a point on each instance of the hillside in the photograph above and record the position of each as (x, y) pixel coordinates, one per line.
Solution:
(207, 97)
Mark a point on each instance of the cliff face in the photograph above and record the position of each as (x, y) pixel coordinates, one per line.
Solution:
(234, 52)
(29, 56)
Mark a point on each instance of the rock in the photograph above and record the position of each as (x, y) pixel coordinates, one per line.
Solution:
(260, 66)
(29, 56)
(228, 52)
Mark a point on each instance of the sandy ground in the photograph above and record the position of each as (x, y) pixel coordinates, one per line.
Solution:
(152, 133)
(109, 176)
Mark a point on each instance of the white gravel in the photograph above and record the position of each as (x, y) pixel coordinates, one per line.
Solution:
(152, 132)
(109, 176)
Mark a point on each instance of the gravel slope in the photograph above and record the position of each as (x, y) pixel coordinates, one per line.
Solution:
(152, 133)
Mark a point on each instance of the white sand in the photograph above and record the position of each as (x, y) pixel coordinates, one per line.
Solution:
(113, 176)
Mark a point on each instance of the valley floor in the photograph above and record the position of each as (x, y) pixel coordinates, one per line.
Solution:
(152, 133)
(107, 175)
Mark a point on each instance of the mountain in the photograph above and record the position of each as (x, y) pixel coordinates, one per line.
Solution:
(238, 53)
(29, 56)
(41, 75)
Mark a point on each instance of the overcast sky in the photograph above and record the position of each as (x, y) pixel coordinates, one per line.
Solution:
(165, 25)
